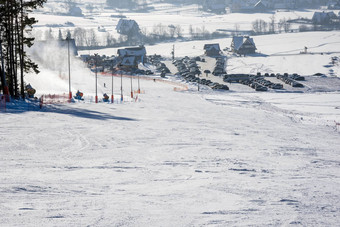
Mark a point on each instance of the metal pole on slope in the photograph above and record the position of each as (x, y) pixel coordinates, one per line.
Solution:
(138, 85)
(112, 97)
(69, 69)
(131, 88)
(121, 86)
(173, 52)
(198, 82)
(96, 62)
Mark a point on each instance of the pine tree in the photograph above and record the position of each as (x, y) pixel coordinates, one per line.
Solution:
(60, 35)
(68, 35)
(14, 22)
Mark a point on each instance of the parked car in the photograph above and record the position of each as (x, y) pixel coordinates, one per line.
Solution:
(276, 86)
(296, 84)
(148, 72)
(261, 88)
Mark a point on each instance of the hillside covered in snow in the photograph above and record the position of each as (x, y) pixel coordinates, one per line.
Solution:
(175, 155)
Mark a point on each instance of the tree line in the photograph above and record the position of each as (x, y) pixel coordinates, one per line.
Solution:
(262, 27)
(15, 25)
(91, 38)
(137, 4)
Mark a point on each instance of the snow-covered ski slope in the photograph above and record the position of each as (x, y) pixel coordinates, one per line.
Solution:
(235, 158)
(173, 159)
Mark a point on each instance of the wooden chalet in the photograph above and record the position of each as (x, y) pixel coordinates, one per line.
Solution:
(212, 49)
(243, 45)
(131, 57)
(127, 27)
(323, 17)
(129, 62)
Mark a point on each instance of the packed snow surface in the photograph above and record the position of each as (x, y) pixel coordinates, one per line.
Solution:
(172, 159)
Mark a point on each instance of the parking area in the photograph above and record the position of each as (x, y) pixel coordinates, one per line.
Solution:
(272, 82)
(191, 70)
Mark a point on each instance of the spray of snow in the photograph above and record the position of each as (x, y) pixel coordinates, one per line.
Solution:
(54, 77)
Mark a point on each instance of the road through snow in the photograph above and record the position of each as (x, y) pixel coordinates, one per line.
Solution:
(171, 159)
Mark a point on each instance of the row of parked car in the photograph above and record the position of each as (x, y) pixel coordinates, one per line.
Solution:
(293, 76)
(188, 65)
(143, 72)
(160, 66)
(291, 79)
(254, 85)
(261, 80)
(219, 67)
(257, 82)
(188, 69)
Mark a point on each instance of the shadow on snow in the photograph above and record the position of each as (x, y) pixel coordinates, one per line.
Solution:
(18, 107)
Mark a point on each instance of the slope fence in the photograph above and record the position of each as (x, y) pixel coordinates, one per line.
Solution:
(54, 99)
(64, 98)
(177, 86)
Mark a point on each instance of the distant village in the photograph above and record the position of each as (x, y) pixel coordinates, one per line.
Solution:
(255, 6)
(128, 59)
(128, 32)
(131, 57)
(215, 6)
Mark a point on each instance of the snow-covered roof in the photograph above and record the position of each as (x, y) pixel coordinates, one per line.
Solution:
(259, 4)
(133, 51)
(238, 41)
(210, 47)
(323, 16)
(125, 24)
(76, 11)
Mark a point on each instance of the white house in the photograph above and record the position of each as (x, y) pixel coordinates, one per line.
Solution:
(261, 5)
(127, 27)
(75, 11)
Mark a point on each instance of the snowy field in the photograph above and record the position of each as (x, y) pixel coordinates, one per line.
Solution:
(276, 53)
(165, 14)
(169, 158)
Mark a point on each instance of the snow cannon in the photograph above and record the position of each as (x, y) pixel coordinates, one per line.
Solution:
(105, 98)
(30, 91)
(79, 95)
